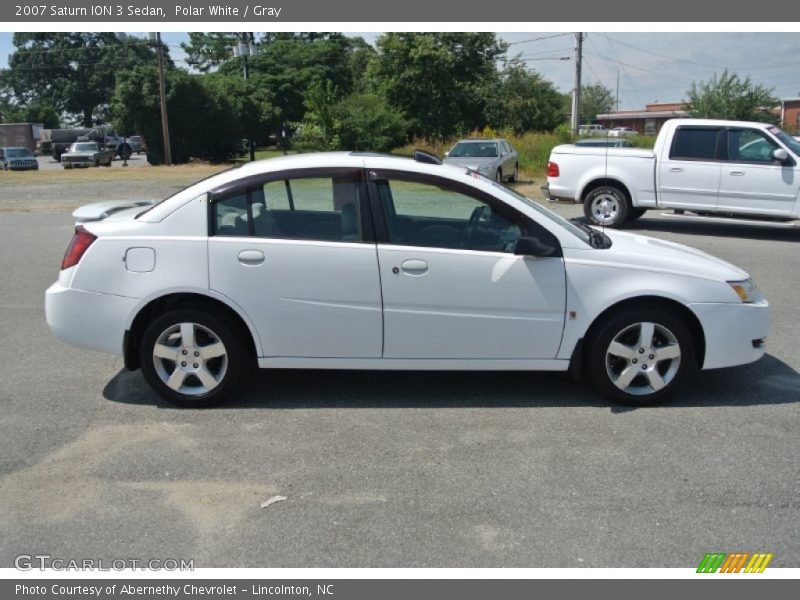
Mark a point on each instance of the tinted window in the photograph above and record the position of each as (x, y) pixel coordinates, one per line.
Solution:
(694, 143)
(301, 208)
(750, 145)
(423, 214)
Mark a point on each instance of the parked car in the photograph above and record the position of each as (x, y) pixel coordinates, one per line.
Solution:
(710, 166)
(493, 158)
(604, 143)
(136, 143)
(86, 154)
(592, 130)
(622, 132)
(362, 261)
(17, 158)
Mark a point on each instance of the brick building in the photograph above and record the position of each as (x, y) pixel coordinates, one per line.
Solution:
(790, 114)
(647, 121)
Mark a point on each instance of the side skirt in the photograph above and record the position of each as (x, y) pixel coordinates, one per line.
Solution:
(414, 364)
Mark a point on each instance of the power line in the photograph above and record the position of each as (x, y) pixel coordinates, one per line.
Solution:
(624, 72)
(538, 39)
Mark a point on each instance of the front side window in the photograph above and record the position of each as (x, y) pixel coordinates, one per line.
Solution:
(308, 208)
(427, 215)
(695, 143)
(750, 146)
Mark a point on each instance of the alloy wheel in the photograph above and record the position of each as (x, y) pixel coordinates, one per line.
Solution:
(643, 358)
(190, 359)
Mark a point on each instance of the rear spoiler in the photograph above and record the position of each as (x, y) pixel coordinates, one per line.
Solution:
(98, 211)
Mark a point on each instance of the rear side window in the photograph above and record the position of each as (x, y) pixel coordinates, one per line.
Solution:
(695, 143)
(306, 208)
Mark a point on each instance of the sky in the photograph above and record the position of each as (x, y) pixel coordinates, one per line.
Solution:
(653, 67)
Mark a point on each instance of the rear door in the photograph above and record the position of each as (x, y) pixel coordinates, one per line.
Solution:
(689, 176)
(452, 286)
(752, 180)
(296, 252)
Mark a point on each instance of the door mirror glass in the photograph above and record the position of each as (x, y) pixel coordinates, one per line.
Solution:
(780, 155)
(532, 246)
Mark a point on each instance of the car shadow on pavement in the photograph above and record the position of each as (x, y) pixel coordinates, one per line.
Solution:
(769, 381)
(767, 232)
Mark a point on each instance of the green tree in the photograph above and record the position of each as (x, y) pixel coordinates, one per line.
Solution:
(203, 123)
(522, 100)
(596, 99)
(727, 96)
(252, 107)
(205, 51)
(71, 72)
(437, 79)
(366, 122)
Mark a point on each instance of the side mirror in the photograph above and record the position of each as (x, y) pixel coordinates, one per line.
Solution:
(446, 154)
(531, 246)
(780, 155)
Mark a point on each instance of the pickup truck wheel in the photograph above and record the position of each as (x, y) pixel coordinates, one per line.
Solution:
(640, 356)
(191, 357)
(606, 206)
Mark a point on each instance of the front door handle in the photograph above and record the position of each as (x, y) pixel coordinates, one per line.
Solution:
(251, 258)
(737, 173)
(414, 266)
(676, 170)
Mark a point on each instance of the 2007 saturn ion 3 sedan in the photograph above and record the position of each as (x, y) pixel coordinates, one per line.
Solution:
(364, 261)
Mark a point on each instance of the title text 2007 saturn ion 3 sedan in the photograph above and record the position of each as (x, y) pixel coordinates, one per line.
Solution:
(362, 261)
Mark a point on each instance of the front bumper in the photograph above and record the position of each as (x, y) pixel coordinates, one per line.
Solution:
(80, 162)
(88, 319)
(735, 333)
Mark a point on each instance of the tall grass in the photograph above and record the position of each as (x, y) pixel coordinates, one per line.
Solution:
(533, 148)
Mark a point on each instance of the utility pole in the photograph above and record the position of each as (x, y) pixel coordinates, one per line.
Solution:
(617, 90)
(162, 92)
(576, 91)
(245, 49)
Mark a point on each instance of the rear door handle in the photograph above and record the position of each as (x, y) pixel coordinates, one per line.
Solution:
(737, 173)
(676, 170)
(414, 266)
(251, 258)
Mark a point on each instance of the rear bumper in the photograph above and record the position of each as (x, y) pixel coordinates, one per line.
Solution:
(735, 333)
(553, 192)
(88, 319)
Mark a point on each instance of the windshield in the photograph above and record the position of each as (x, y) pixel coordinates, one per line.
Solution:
(474, 150)
(85, 147)
(786, 139)
(18, 153)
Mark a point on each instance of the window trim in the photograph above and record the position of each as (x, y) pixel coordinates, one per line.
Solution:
(247, 184)
(381, 225)
(720, 149)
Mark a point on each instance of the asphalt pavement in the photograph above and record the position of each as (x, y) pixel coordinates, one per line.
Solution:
(398, 469)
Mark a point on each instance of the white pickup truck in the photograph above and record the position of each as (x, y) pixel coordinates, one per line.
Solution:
(707, 166)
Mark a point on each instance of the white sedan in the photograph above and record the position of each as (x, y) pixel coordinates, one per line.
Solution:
(363, 261)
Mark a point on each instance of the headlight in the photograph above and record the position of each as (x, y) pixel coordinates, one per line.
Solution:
(747, 290)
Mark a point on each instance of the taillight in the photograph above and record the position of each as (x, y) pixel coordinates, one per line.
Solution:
(77, 247)
(552, 169)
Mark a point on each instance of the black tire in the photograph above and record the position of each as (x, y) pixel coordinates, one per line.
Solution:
(230, 375)
(601, 365)
(515, 174)
(616, 203)
(498, 177)
(96, 162)
(635, 213)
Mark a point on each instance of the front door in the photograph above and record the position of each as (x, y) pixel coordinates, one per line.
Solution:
(752, 180)
(296, 253)
(452, 286)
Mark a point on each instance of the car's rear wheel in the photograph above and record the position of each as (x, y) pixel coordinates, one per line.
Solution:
(640, 356)
(191, 357)
(515, 174)
(606, 206)
(498, 176)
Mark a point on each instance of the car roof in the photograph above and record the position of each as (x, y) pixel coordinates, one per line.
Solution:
(476, 140)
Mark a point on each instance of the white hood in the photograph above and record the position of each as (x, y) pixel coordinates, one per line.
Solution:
(651, 254)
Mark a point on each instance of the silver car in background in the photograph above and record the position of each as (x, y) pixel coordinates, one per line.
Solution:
(495, 159)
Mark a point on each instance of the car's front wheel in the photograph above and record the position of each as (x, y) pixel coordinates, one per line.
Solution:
(640, 356)
(191, 357)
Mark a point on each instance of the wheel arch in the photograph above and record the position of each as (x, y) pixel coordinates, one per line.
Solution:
(609, 181)
(578, 359)
(155, 306)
